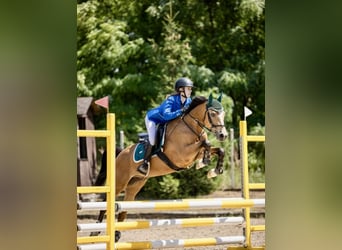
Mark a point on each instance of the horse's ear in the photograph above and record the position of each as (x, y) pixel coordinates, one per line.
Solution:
(210, 100)
(220, 97)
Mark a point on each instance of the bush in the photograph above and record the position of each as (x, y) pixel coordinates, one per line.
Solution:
(183, 184)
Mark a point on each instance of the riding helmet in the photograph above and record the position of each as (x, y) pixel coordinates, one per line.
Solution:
(183, 82)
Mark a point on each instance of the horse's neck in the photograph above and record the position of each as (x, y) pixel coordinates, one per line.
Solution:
(191, 121)
(184, 139)
(197, 116)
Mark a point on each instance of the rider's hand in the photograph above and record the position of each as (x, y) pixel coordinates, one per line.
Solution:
(184, 109)
(179, 112)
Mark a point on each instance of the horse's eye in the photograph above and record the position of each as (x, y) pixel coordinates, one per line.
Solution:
(212, 114)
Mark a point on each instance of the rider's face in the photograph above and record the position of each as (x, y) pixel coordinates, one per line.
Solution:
(188, 91)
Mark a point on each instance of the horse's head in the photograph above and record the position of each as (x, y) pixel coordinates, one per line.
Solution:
(209, 114)
(215, 118)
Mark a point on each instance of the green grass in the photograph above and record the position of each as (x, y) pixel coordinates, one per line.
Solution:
(227, 183)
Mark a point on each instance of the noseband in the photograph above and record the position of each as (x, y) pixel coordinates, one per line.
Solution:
(201, 124)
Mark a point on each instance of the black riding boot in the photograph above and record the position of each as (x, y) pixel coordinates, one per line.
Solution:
(143, 168)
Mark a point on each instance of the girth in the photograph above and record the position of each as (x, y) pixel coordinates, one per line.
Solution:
(168, 162)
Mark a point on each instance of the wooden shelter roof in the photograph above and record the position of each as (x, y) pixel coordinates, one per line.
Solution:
(83, 105)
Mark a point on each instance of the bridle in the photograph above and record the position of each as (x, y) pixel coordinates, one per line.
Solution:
(201, 124)
(211, 122)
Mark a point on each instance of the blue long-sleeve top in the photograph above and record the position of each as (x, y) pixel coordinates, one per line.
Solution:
(168, 110)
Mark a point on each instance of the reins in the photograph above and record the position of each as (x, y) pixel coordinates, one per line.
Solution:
(200, 124)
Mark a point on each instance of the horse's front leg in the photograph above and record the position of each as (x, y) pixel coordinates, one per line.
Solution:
(204, 155)
(207, 152)
(219, 166)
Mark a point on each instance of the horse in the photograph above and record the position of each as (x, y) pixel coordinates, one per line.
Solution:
(186, 142)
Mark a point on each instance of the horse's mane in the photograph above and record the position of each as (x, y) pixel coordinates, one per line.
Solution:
(197, 100)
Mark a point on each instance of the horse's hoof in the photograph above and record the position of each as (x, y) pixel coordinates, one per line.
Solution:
(219, 170)
(94, 233)
(206, 161)
(212, 173)
(117, 236)
(200, 165)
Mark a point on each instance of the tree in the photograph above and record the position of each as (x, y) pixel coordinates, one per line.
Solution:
(135, 50)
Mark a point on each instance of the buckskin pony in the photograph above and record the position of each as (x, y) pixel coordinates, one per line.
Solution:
(185, 142)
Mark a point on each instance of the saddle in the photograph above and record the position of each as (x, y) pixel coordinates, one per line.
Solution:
(139, 151)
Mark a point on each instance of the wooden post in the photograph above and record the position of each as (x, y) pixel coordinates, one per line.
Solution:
(232, 165)
(122, 140)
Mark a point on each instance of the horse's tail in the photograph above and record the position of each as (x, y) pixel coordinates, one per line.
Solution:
(101, 177)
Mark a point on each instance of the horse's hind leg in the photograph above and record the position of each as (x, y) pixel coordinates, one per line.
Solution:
(99, 220)
(134, 186)
(103, 212)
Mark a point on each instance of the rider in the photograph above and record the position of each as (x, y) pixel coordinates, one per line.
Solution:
(172, 107)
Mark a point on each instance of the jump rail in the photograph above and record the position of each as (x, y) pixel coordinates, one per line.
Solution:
(181, 243)
(190, 222)
(175, 205)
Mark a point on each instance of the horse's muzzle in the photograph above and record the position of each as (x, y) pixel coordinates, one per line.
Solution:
(221, 136)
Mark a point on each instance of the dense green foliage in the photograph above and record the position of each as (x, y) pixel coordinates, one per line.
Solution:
(134, 51)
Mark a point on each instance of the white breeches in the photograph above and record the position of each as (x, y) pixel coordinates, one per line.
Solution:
(151, 130)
